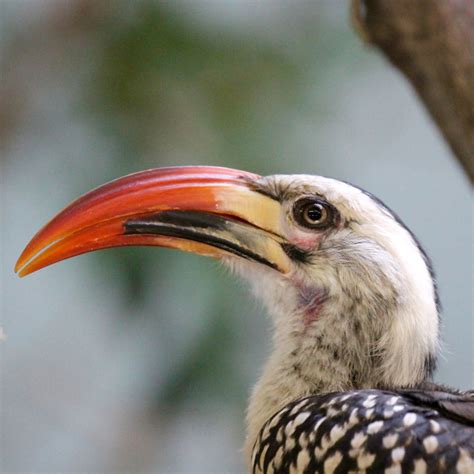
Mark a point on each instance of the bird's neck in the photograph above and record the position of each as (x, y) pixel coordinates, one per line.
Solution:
(312, 354)
(336, 348)
(364, 321)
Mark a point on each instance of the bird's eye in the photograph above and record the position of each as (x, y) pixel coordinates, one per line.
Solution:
(313, 213)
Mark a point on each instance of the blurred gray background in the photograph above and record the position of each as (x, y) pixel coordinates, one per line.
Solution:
(141, 360)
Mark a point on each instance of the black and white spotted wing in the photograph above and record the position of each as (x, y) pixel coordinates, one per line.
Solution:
(369, 431)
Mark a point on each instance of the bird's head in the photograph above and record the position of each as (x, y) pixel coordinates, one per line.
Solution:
(349, 289)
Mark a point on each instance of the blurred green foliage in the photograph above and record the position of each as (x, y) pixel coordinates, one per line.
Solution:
(157, 68)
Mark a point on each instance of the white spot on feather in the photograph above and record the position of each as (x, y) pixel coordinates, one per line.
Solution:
(353, 418)
(353, 453)
(274, 421)
(420, 466)
(337, 432)
(289, 429)
(264, 452)
(301, 418)
(465, 464)
(298, 407)
(390, 440)
(319, 452)
(365, 460)
(290, 443)
(303, 440)
(358, 440)
(277, 457)
(302, 460)
(318, 424)
(435, 427)
(369, 402)
(332, 462)
(431, 444)
(409, 419)
(374, 427)
(392, 400)
(398, 454)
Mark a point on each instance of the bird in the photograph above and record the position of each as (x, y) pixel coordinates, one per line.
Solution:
(352, 298)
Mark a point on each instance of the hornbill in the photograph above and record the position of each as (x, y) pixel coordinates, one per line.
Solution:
(348, 385)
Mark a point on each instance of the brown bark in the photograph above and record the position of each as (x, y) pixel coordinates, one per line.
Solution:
(432, 43)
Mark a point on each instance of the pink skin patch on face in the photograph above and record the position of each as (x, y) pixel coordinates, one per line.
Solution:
(311, 300)
(305, 241)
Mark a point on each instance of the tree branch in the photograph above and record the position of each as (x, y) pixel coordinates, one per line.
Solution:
(432, 43)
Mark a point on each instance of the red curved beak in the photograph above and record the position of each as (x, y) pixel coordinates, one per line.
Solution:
(206, 210)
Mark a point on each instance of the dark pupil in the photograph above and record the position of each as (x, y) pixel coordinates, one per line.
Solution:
(314, 212)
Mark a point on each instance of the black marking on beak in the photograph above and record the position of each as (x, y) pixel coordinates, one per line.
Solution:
(201, 220)
(203, 227)
(295, 253)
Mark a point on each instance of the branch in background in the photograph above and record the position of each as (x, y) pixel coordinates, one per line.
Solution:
(432, 43)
